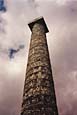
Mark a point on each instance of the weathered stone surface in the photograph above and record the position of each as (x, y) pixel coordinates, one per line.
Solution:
(39, 95)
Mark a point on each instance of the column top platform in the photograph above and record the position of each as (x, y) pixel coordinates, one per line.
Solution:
(39, 20)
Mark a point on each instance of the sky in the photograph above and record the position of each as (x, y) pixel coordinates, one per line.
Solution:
(61, 19)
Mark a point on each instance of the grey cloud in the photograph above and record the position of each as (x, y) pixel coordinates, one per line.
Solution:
(33, 3)
(62, 41)
(2, 25)
(11, 86)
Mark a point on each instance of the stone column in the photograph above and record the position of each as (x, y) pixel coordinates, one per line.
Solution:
(39, 93)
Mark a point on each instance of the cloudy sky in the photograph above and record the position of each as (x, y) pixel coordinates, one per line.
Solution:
(61, 19)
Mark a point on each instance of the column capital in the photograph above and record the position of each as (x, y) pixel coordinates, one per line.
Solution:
(38, 21)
